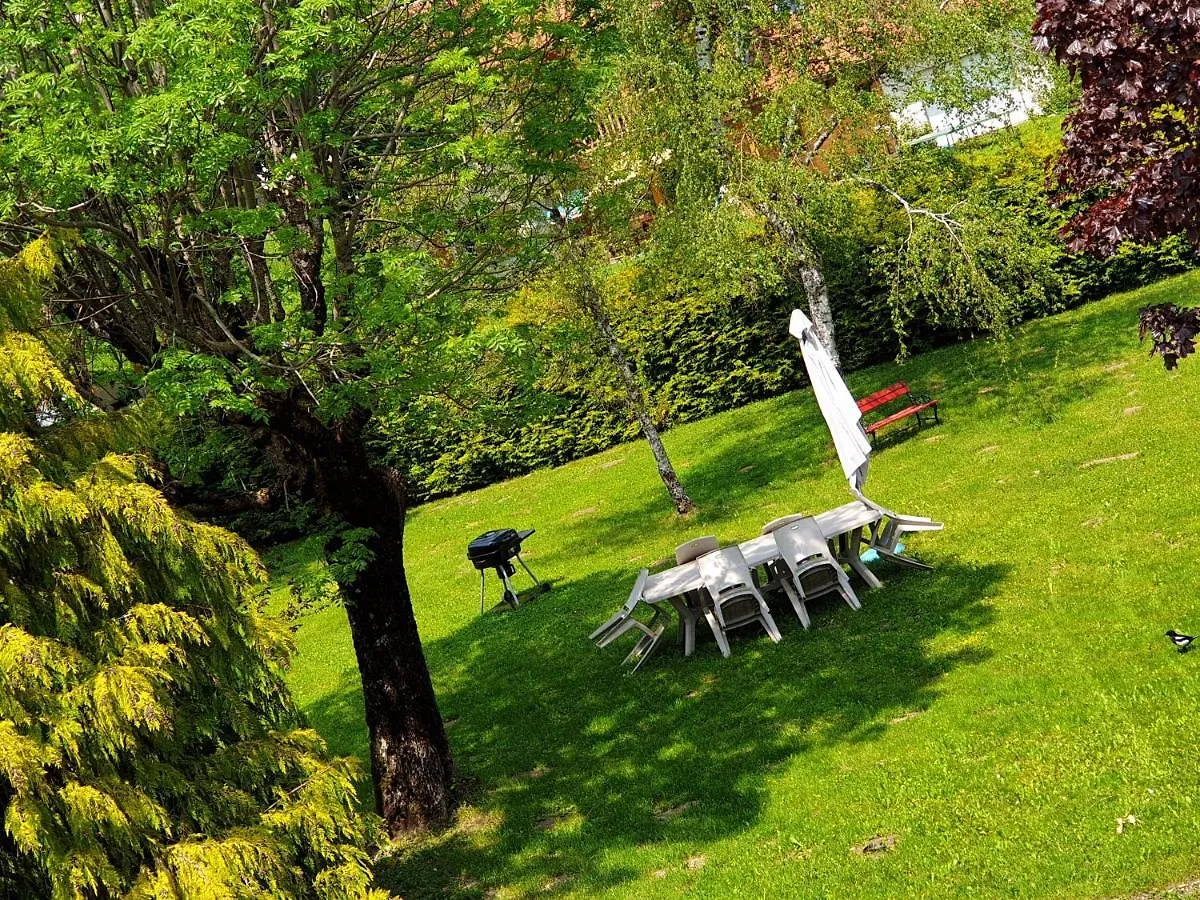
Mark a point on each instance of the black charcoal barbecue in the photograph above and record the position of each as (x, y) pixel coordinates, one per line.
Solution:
(496, 550)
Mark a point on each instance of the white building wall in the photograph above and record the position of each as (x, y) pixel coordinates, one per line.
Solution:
(1010, 103)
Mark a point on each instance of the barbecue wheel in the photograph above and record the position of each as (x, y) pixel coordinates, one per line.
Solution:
(511, 599)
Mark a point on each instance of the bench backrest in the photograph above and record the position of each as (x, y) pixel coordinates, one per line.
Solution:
(884, 397)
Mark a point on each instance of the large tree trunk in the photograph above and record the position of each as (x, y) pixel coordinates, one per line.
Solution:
(634, 397)
(410, 755)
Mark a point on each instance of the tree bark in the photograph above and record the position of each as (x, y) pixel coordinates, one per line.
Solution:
(702, 34)
(812, 279)
(306, 267)
(634, 397)
(410, 755)
(267, 305)
(819, 308)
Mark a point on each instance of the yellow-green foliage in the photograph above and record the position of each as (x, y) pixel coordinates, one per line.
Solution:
(147, 744)
(29, 377)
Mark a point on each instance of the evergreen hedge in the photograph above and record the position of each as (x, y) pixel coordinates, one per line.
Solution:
(700, 361)
(698, 358)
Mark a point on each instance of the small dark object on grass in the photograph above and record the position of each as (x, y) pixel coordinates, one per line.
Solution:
(881, 843)
(1181, 641)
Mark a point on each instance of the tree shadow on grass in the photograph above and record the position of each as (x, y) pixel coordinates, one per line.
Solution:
(793, 448)
(1032, 379)
(578, 766)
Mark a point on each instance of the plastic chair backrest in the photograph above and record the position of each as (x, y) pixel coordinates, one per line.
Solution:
(724, 570)
(685, 553)
(636, 594)
(800, 540)
(776, 524)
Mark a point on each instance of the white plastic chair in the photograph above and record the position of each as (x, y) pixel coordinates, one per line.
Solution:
(625, 621)
(727, 579)
(808, 569)
(887, 532)
(690, 604)
(775, 577)
(694, 548)
(624, 614)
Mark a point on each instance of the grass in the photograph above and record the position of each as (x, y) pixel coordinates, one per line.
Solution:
(996, 717)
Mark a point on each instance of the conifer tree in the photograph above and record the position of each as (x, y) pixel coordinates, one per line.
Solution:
(148, 746)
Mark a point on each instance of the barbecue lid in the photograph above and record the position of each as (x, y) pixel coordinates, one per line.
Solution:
(491, 541)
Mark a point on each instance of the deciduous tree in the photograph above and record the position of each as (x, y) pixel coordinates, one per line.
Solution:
(283, 209)
(571, 307)
(780, 109)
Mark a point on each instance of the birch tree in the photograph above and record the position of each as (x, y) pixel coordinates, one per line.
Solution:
(780, 109)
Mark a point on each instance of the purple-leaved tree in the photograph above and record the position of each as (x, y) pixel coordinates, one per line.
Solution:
(1131, 154)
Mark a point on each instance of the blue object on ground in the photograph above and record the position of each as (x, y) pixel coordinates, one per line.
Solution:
(869, 555)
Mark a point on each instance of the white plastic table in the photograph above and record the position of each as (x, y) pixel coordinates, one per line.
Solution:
(846, 524)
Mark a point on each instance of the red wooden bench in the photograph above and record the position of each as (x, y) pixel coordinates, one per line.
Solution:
(916, 404)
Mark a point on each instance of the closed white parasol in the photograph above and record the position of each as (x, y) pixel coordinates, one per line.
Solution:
(837, 403)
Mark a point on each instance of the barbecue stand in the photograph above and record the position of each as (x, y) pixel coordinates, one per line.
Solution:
(496, 550)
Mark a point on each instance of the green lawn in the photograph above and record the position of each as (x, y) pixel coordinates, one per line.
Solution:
(996, 716)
